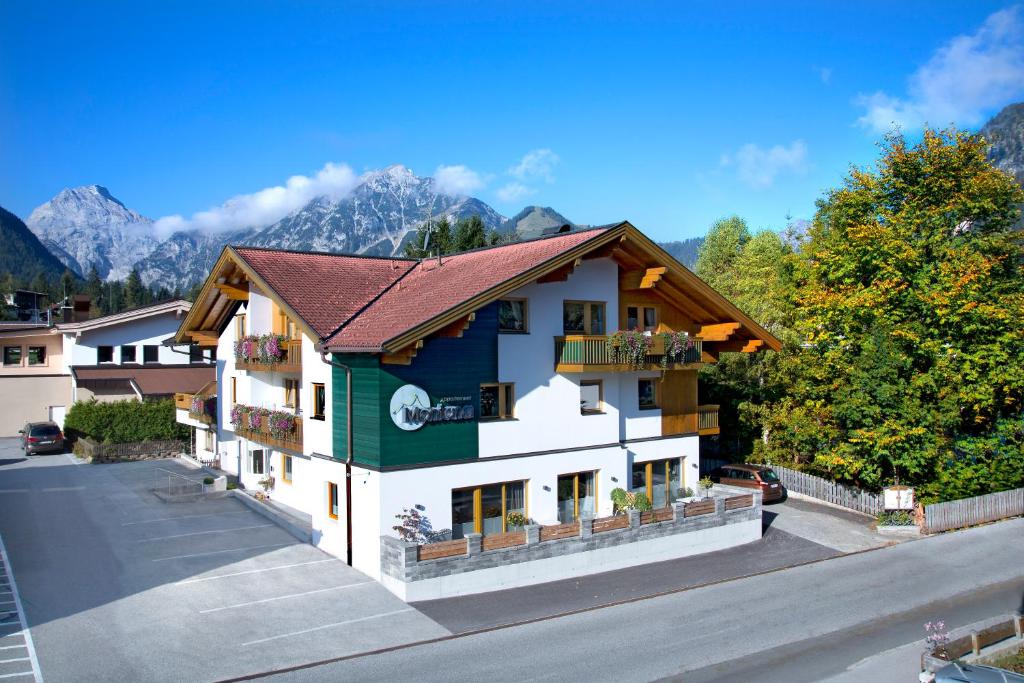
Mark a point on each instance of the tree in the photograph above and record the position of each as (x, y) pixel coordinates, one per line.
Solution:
(470, 233)
(716, 258)
(134, 291)
(440, 239)
(910, 306)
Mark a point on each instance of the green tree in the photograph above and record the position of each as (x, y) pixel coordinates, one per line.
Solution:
(134, 291)
(910, 308)
(470, 233)
(716, 258)
(440, 239)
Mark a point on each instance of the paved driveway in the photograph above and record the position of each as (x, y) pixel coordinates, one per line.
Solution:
(842, 530)
(119, 585)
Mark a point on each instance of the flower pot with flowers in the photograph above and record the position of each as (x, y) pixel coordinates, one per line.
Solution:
(677, 344)
(629, 347)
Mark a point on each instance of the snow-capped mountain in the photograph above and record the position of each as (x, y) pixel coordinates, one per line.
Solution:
(374, 218)
(87, 226)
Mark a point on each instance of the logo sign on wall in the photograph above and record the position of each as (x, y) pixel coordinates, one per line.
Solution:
(411, 409)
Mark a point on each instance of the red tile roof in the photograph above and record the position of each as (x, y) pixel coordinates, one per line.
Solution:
(324, 289)
(429, 290)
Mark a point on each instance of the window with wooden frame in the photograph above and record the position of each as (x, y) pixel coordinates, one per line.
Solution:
(291, 394)
(283, 324)
(591, 397)
(37, 355)
(286, 468)
(332, 500)
(497, 401)
(659, 480)
(647, 393)
(319, 401)
(513, 316)
(485, 509)
(239, 325)
(577, 496)
(583, 317)
(234, 390)
(643, 318)
(256, 461)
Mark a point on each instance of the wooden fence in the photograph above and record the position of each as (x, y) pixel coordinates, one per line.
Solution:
(830, 491)
(969, 511)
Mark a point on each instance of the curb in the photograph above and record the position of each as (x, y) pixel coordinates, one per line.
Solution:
(278, 518)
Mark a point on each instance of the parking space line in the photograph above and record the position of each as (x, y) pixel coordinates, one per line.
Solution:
(11, 647)
(254, 571)
(167, 519)
(13, 490)
(29, 646)
(56, 489)
(285, 597)
(25, 673)
(326, 626)
(16, 659)
(201, 533)
(221, 552)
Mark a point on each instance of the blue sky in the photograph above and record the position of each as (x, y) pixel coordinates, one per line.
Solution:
(669, 114)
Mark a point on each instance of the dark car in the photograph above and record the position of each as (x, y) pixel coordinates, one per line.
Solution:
(41, 437)
(751, 477)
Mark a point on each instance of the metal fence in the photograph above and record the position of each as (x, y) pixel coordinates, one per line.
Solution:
(969, 511)
(174, 484)
(829, 491)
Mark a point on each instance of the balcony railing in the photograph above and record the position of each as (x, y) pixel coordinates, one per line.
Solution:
(289, 361)
(707, 420)
(290, 440)
(591, 353)
(201, 406)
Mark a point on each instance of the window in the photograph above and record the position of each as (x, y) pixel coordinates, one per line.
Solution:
(291, 394)
(512, 315)
(150, 353)
(485, 509)
(319, 401)
(647, 388)
(643, 318)
(256, 464)
(105, 354)
(332, 500)
(37, 355)
(659, 480)
(577, 496)
(591, 396)
(497, 401)
(12, 355)
(127, 354)
(283, 324)
(286, 468)
(209, 440)
(583, 317)
(234, 390)
(239, 325)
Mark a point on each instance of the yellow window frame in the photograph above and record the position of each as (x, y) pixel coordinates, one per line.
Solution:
(286, 460)
(587, 318)
(478, 504)
(332, 499)
(506, 400)
(599, 383)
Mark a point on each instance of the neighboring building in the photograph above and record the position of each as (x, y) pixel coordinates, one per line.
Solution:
(482, 383)
(120, 356)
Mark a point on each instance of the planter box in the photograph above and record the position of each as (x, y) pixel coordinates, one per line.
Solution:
(909, 530)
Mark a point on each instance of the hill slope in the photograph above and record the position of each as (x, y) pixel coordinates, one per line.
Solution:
(23, 255)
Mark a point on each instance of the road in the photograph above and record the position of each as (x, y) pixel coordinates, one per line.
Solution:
(800, 624)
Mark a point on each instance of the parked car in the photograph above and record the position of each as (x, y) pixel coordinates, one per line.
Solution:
(41, 437)
(975, 673)
(751, 477)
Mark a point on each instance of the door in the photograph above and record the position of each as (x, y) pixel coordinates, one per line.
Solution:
(57, 414)
(577, 496)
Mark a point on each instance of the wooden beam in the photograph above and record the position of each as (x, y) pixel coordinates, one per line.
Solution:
(233, 292)
(719, 332)
(642, 279)
(205, 337)
(456, 329)
(752, 345)
(403, 356)
(558, 275)
(737, 345)
(683, 301)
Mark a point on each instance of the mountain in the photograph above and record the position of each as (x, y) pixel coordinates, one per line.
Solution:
(87, 226)
(1005, 132)
(533, 220)
(23, 255)
(684, 251)
(374, 218)
(186, 258)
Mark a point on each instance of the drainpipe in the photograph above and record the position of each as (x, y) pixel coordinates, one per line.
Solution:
(348, 448)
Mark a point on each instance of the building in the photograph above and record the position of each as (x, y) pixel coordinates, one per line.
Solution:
(46, 368)
(471, 386)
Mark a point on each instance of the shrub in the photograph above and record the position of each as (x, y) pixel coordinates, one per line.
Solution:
(124, 421)
(207, 480)
(232, 486)
(623, 500)
(685, 492)
(515, 519)
(895, 518)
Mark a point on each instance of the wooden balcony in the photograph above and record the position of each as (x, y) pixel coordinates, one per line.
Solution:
(585, 353)
(291, 360)
(206, 410)
(707, 420)
(288, 442)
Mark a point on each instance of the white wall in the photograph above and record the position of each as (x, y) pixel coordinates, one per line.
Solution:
(81, 349)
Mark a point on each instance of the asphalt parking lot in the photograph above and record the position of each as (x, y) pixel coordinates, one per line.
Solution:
(119, 585)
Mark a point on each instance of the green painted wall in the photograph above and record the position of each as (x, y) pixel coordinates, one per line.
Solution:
(443, 367)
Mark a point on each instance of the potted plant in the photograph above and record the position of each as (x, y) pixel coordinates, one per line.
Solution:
(676, 346)
(629, 347)
(623, 500)
(706, 484)
(266, 483)
(515, 521)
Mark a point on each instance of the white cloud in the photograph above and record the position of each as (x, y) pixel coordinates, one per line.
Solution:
(267, 206)
(963, 80)
(824, 73)
(758, 167)
(514, 191)
(457, 180)
(537, 164)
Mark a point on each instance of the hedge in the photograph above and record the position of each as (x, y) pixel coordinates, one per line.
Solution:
(124, 421)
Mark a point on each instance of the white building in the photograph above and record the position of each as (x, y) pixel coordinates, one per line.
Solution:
(119, 356)
(484, 385)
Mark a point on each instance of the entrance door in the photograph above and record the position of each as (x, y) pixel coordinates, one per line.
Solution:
(57, 414)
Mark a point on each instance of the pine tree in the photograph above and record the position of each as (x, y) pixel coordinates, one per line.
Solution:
(134, 292)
